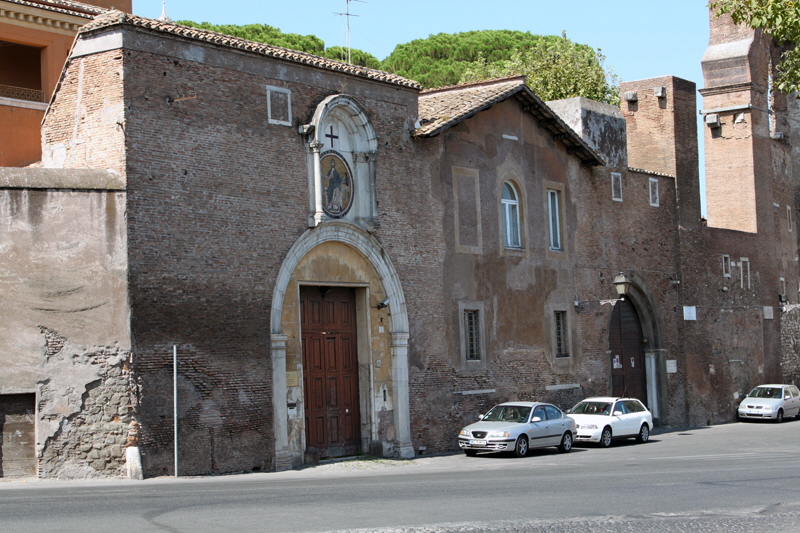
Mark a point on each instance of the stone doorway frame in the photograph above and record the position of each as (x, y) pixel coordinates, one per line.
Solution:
(353, 236)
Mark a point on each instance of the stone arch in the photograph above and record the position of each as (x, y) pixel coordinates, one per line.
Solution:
(370, 249)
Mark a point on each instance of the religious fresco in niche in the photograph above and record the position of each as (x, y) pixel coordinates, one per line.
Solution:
(337, 184)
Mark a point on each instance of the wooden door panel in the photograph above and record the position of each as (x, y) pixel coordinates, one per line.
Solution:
(627, 355)
(330, 361)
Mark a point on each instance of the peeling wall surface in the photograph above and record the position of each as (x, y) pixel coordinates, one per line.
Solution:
(64, 333)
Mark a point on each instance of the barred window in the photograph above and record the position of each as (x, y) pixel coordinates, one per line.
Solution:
(562, 345)
(472, 334)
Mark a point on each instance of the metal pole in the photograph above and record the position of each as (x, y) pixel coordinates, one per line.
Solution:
(175, 401)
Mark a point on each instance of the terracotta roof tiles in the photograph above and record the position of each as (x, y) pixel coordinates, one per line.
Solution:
(115, 17)
(67, 7)
(444, 107)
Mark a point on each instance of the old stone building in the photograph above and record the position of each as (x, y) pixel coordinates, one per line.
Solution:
(344, 263)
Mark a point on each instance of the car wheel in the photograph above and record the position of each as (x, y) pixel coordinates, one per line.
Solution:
(566, 443)
(644, 434)
(797, 416)
(470, 453)
(605, 437)
(779, 417)
(521, 447)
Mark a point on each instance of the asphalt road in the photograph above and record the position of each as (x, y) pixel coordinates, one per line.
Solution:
(731, 478)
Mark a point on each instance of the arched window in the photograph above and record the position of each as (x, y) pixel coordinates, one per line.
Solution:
(510, 201)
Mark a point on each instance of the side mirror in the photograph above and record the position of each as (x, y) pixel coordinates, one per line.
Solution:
(480, 417)
(617, 413)
(536, 419)
(568, 411)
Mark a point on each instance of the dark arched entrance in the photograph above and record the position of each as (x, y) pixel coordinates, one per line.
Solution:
(628, 376)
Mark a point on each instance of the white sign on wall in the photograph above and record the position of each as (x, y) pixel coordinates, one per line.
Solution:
(689, 312)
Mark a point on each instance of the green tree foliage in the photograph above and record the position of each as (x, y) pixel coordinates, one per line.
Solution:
(447, 59)
(557, 68)
(779, 18)
(357, 57)
(262, 33)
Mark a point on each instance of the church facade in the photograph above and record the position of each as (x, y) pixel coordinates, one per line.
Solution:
(301, 258)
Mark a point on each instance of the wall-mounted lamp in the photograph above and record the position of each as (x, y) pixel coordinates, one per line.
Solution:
(384, 303)
(622, 284)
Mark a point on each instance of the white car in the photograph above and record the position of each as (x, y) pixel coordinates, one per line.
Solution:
(603, 419)
(517, 427)
(773, 402)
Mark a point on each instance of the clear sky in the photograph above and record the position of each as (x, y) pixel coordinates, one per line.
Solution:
(642, 39)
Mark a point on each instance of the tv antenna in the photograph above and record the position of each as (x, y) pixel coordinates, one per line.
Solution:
(347, 16)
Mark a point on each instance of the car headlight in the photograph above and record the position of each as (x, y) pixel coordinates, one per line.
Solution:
(588, 426)
(464, 432)
(499, 434)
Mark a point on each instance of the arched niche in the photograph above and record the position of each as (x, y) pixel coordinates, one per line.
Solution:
(341, 148)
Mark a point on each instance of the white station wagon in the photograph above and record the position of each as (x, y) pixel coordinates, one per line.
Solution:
(603, 419)
(772, 402)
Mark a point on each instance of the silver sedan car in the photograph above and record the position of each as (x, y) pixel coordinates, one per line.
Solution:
(517, 427)
(771, 402)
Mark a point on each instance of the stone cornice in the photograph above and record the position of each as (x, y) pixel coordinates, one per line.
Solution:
(723, 89)
(29, 15)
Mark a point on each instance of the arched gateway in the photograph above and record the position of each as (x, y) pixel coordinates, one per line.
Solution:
(340, 259)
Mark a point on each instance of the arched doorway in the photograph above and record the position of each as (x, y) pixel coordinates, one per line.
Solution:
(628, 376)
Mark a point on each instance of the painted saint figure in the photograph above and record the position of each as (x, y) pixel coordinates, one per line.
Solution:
(338, 193)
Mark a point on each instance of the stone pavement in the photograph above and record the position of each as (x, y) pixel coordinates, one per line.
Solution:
(772, 520)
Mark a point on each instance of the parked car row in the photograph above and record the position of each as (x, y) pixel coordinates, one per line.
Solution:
(520, 426)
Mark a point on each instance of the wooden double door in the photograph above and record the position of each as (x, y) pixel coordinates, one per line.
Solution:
(628, 376)
(330, 370)
(17, 438)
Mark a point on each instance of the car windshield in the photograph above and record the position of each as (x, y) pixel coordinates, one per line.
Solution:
(766, 392)
(591, 408)
(508, 413)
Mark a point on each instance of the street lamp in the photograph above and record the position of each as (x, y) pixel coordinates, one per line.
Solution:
(622, 283)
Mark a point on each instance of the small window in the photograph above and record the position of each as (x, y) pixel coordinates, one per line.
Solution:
(554, 219)
(616, 186)
(789, 217)
(726, 265)
(510, 203)
(562, 341)
(744, 272)
(279, 105)
(782, 283)
(472, 332)
(654, 192)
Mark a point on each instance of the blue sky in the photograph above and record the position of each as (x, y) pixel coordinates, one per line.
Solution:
(639, 39)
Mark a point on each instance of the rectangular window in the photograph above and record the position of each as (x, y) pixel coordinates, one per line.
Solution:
(789, 217)
(654, 192)
(472, 334)
(279, 105)
(744, 270)
(554, 219)
(616, 186)
(726, 265)
(562, 344)
(782, 283)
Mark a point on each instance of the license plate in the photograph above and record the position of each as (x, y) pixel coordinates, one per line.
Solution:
(752, 412)
(478, 442)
